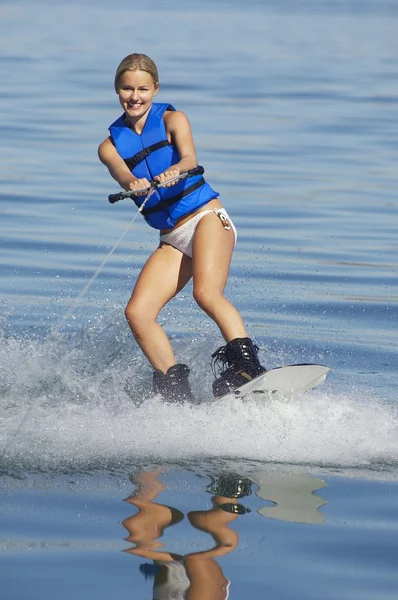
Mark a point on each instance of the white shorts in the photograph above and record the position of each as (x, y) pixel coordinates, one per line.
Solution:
(182, 237)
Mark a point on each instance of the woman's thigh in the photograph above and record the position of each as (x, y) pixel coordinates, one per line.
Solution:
(213, 246)
(164, 274)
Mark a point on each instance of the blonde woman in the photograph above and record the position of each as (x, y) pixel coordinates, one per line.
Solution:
(197, 237)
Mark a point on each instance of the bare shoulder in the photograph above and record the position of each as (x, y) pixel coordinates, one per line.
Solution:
(176, 120)
(106, 150)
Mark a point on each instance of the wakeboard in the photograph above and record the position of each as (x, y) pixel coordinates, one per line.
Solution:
(283, 381)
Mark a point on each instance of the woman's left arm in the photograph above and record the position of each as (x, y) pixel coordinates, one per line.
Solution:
(179, 132)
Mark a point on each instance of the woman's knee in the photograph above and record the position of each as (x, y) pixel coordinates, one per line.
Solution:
(136, 317)
(198, 518)
(206, 297)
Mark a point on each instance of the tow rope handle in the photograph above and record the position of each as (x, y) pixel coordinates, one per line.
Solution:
(155, 184)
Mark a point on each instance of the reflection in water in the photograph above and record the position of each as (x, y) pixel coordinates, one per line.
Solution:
(196, 575)
(293, 496)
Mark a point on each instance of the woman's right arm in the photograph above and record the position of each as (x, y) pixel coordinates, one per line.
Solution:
(118, 169)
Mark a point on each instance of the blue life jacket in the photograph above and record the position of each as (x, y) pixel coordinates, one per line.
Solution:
(148, 155)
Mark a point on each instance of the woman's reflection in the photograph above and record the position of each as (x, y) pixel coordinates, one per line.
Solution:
(194, 576)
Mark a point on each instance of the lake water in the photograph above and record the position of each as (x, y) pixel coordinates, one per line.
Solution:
(294, 108)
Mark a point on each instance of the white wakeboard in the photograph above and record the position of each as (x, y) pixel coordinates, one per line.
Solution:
(283, 381)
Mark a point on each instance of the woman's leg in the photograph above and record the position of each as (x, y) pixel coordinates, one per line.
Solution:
(147, 525)
(211, 256)
(212, 250)
(205, 574)
(164, 274)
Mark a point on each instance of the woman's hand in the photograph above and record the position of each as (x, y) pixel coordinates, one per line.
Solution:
(166, 175)
(140, 184)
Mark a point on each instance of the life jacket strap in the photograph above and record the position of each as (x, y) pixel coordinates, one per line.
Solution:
(135, 160)
(165, 203)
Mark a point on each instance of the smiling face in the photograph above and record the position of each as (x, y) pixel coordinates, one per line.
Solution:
(136, 91)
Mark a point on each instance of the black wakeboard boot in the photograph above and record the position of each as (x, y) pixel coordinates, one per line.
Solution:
(233, 486)
(173, 386)
(229, 485)
(235, 364)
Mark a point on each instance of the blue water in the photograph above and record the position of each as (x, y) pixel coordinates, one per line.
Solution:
(294, 109)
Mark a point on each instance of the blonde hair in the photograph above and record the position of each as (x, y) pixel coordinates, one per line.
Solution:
(137, 62)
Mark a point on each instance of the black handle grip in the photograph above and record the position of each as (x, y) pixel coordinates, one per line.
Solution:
(193, 172)
(154, 184)
(116, 197)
